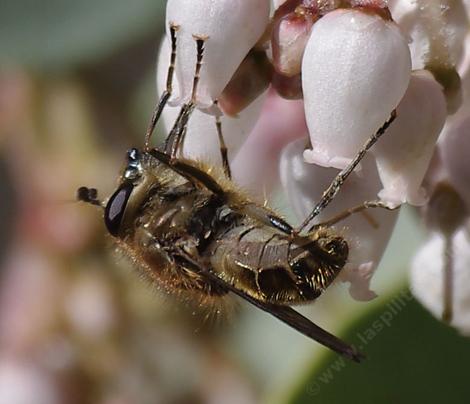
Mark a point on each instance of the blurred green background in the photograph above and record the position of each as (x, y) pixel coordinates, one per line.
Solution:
(76, 324)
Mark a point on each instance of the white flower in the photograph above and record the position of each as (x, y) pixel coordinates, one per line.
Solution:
(231, 27)
(355, 70)
(201, 140)
(367, 234)
(418, 20)
(277, 3)
(427, 278)
(454, 142)
(454, 150)
(405, 150)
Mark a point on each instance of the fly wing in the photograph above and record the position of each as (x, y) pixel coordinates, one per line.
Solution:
(300, 323)
(284, 313)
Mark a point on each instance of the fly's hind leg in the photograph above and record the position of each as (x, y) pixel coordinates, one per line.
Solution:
(169, 88)
(339, 180)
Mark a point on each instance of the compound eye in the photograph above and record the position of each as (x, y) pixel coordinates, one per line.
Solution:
(115, 208)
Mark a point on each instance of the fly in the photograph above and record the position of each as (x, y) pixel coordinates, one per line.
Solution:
(194, 234)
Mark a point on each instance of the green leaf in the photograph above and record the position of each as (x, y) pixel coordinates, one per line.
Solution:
(56, 34)
(411, 358)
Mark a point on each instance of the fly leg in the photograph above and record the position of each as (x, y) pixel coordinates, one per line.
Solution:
(175, 139)
(223, 148)
(356, 209)
(339, 180)
(169, 88)
(190, 172)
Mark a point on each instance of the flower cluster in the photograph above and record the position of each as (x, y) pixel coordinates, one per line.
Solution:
(301, 85)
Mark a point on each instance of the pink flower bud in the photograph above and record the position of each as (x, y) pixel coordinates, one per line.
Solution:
(289, 88)
(289, 38)
(355, 70)
(251, 79)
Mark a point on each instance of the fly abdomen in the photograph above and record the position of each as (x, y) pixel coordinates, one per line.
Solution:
(274, 267)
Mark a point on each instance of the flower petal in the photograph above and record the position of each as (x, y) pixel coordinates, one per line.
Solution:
(412, 17)
(232, 27)
(355, 70)
(404, 152)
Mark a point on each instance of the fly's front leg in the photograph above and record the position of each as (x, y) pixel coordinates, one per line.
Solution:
(339, 180)
(175, 139)
(169, 88)
(183, 124)
(223, 147)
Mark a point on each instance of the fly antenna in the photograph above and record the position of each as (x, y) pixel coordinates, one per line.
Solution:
(89, 195)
